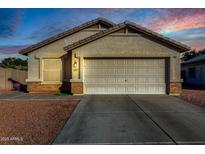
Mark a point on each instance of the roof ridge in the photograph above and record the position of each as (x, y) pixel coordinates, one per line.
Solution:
(128, 23)
(64, 34)
(103, 32)
(155, 33)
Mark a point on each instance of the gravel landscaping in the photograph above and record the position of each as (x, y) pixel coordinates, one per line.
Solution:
(33, 121)
(194, 96)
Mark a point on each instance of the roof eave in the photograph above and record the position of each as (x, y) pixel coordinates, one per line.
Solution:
(179, 46)
(63, 34)
(194, 62)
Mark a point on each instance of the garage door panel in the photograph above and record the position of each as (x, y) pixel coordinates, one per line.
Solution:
(119, 71)
(130, 80)
(124, 76)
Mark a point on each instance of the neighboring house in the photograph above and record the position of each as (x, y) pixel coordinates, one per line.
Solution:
(193, 71)
(100, 57)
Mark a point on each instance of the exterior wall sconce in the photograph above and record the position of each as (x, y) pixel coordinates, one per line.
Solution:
(75, 64)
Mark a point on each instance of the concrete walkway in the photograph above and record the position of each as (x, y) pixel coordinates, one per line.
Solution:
(134, 119)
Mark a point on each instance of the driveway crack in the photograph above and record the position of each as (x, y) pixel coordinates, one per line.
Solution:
(164, 131)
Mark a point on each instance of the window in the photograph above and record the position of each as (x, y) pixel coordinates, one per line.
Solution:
(192, 72)
(183, 74)
(52, 70)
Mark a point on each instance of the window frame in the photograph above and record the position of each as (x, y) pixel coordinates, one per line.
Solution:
(42, 71)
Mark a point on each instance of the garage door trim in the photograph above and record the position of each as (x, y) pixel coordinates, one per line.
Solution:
(167, 66)
(126, 58)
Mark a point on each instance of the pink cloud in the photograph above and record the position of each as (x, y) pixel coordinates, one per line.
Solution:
(198, 45)
(12, 49)
(177, 19)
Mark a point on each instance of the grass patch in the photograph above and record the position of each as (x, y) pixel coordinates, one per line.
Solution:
(62, 94)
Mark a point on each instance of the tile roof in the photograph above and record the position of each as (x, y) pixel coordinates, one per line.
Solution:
(144, 30)
(66, 33)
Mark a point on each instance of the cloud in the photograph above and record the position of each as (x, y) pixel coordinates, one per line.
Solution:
(12, 49)
(193, 37)
(169, 20)
(47, 31)
(159, 20)
(198, 45)
(120, 15)
(9, 21)
(186, 25)
(65, 19)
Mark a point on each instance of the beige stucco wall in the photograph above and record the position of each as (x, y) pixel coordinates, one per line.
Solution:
(53, 50)
(126, 45)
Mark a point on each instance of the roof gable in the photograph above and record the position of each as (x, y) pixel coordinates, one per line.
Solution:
(104, 23)
(132, 27)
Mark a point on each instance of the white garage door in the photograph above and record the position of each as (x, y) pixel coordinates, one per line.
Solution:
(124, 76)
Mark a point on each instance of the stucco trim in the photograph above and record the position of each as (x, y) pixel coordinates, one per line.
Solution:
(33, 80)
(51, 82)
(76, 80)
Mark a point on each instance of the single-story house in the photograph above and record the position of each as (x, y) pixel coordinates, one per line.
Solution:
(100, 57)
(193, 71)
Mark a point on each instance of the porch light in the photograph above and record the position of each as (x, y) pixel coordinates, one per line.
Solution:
(75, 64)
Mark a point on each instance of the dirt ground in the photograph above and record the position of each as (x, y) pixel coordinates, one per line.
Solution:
(194, 96)
(33, 121)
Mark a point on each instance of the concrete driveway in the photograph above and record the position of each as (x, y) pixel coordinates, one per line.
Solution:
(134, 119)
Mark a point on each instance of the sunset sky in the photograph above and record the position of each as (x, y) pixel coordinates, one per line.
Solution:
(20, 28)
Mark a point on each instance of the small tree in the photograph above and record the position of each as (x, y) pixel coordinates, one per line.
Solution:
(201, 52)
(7, 63)
(189, 55)
(14, 63)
